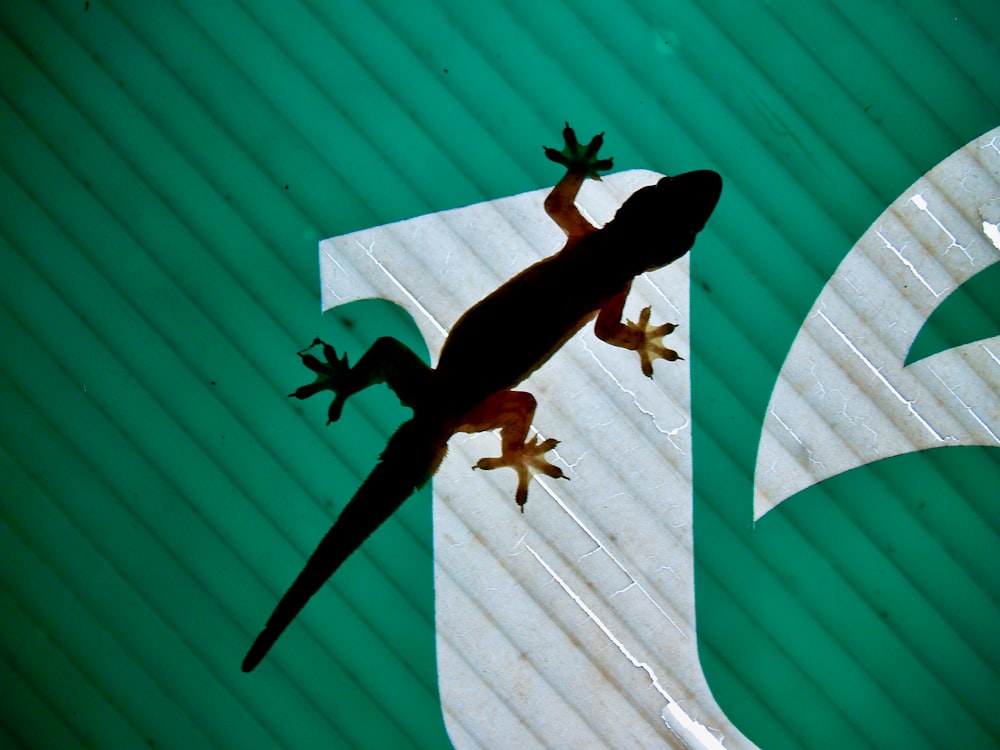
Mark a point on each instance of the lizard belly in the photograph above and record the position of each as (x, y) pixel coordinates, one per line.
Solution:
(502, 355)
(511, 333)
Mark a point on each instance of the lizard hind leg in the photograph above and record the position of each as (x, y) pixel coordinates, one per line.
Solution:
(511, 412)
(387, 361)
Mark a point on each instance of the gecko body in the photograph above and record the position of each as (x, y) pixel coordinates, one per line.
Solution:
(496, 345)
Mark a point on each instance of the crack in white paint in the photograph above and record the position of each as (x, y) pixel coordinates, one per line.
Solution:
(918, 201)
(593, 537)
(689, 731)
(632, 585)
(370, 252)
(797, 439)
(952, 390)
(675, 432)
(898, 252)
(668, 434)
(992, 356)
(812, 371)
(992, 143)
(852, 420)
(886, 323)
(630, 393)
(670, 570)
(329, 288)
(881, 378)
(772, 467)
(647, 279)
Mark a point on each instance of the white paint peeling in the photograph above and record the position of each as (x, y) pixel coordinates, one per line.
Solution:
(992, 232)
(921, 204)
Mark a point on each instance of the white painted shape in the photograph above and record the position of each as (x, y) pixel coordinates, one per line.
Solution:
(573, 624)
(843, 398)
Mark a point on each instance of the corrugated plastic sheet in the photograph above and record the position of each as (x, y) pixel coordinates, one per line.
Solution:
(166, 171)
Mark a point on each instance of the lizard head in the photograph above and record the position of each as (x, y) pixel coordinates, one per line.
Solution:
(659, 223)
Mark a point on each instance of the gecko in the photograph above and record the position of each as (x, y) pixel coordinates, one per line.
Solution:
(495, 345)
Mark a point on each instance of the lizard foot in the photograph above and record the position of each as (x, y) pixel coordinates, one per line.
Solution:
(650, 344)
(330, 376)
(527, 461)
(577, 158)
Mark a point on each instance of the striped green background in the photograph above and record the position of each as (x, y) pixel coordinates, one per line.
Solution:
(166, 170)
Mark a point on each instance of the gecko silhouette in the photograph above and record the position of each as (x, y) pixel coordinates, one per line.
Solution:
(498, 343)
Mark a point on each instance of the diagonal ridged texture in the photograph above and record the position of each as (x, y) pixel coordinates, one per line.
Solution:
(166, 170)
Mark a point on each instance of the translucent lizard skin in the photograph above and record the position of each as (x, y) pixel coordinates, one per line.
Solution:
(498, 343)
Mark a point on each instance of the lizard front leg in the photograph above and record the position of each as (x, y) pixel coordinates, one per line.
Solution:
(639, 337)
(511, 412)
(581, 163)
(386, 361)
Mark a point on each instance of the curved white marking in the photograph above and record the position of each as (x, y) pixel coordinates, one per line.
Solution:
(843, 397)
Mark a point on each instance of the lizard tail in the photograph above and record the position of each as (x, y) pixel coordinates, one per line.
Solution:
(410, 458)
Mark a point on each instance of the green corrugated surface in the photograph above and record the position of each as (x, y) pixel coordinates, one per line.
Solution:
(166, 172)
